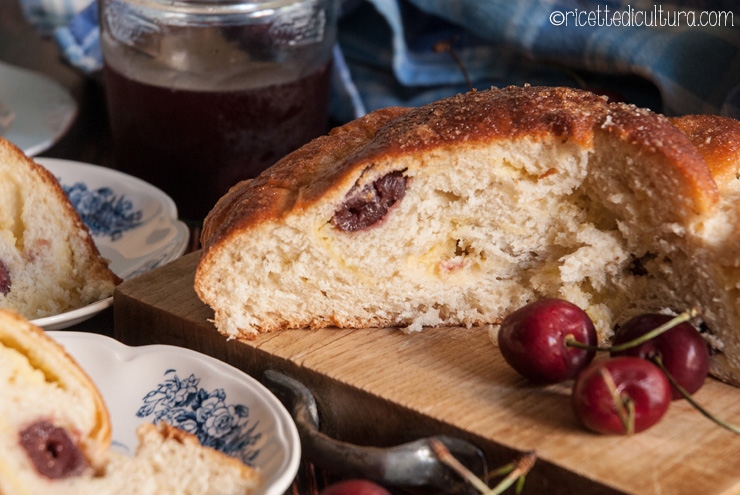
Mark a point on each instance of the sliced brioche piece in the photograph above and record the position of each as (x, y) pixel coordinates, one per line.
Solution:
(48, 261)
(484, 202)
(47, 401)
(510, 195)
(55, 433)
(169, 461)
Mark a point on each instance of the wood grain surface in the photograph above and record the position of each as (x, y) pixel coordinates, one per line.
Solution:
(384, 387)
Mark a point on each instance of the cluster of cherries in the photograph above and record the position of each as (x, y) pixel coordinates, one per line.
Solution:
(654, 359)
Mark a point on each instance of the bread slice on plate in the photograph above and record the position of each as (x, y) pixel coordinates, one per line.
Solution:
(459, 212)
(171, 461)
(48, 404)
(55, 433)
(49, 263)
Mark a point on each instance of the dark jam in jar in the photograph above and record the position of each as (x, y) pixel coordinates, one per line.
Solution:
(194, 145)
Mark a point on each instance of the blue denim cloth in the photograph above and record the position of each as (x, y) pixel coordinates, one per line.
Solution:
(410, 52)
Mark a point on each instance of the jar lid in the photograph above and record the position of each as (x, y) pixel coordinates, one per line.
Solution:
(225, 7)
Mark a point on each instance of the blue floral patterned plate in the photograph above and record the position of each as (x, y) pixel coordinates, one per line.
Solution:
(224, 407)
(133, 223)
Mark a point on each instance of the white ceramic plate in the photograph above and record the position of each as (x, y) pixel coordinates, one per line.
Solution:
(42, 109)
(226, 408)
(133, 223)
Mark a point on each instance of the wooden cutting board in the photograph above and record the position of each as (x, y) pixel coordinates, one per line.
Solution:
(383, 387)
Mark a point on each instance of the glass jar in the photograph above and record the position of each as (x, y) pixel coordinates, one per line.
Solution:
(202, 94)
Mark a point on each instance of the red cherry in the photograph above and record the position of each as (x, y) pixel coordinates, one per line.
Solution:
(354, 487)
(533, 340)
(605, 392)
(682, 350)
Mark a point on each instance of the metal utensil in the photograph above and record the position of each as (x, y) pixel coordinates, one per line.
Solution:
(412, 464)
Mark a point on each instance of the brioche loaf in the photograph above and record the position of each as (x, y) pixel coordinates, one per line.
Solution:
(49, 263)
(458, 212)
(55, 433)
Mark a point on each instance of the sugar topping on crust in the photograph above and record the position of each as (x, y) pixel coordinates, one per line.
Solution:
(331, 162)
(718, 140)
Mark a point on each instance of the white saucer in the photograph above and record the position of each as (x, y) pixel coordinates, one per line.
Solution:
(42, 109)
(133, 224)
(223, 406)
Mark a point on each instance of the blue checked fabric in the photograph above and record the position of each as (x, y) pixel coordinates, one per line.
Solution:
(410, 52)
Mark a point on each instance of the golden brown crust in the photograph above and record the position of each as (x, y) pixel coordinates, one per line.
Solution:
(655, 134)
(305, 176)
(169, 432)
(718, 141)
(477, 116)
(481, 116)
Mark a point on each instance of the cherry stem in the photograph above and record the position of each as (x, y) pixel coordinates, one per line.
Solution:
(570, 340)
(686, 395)
(446, 47)
(624, 405)
(516, 470)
